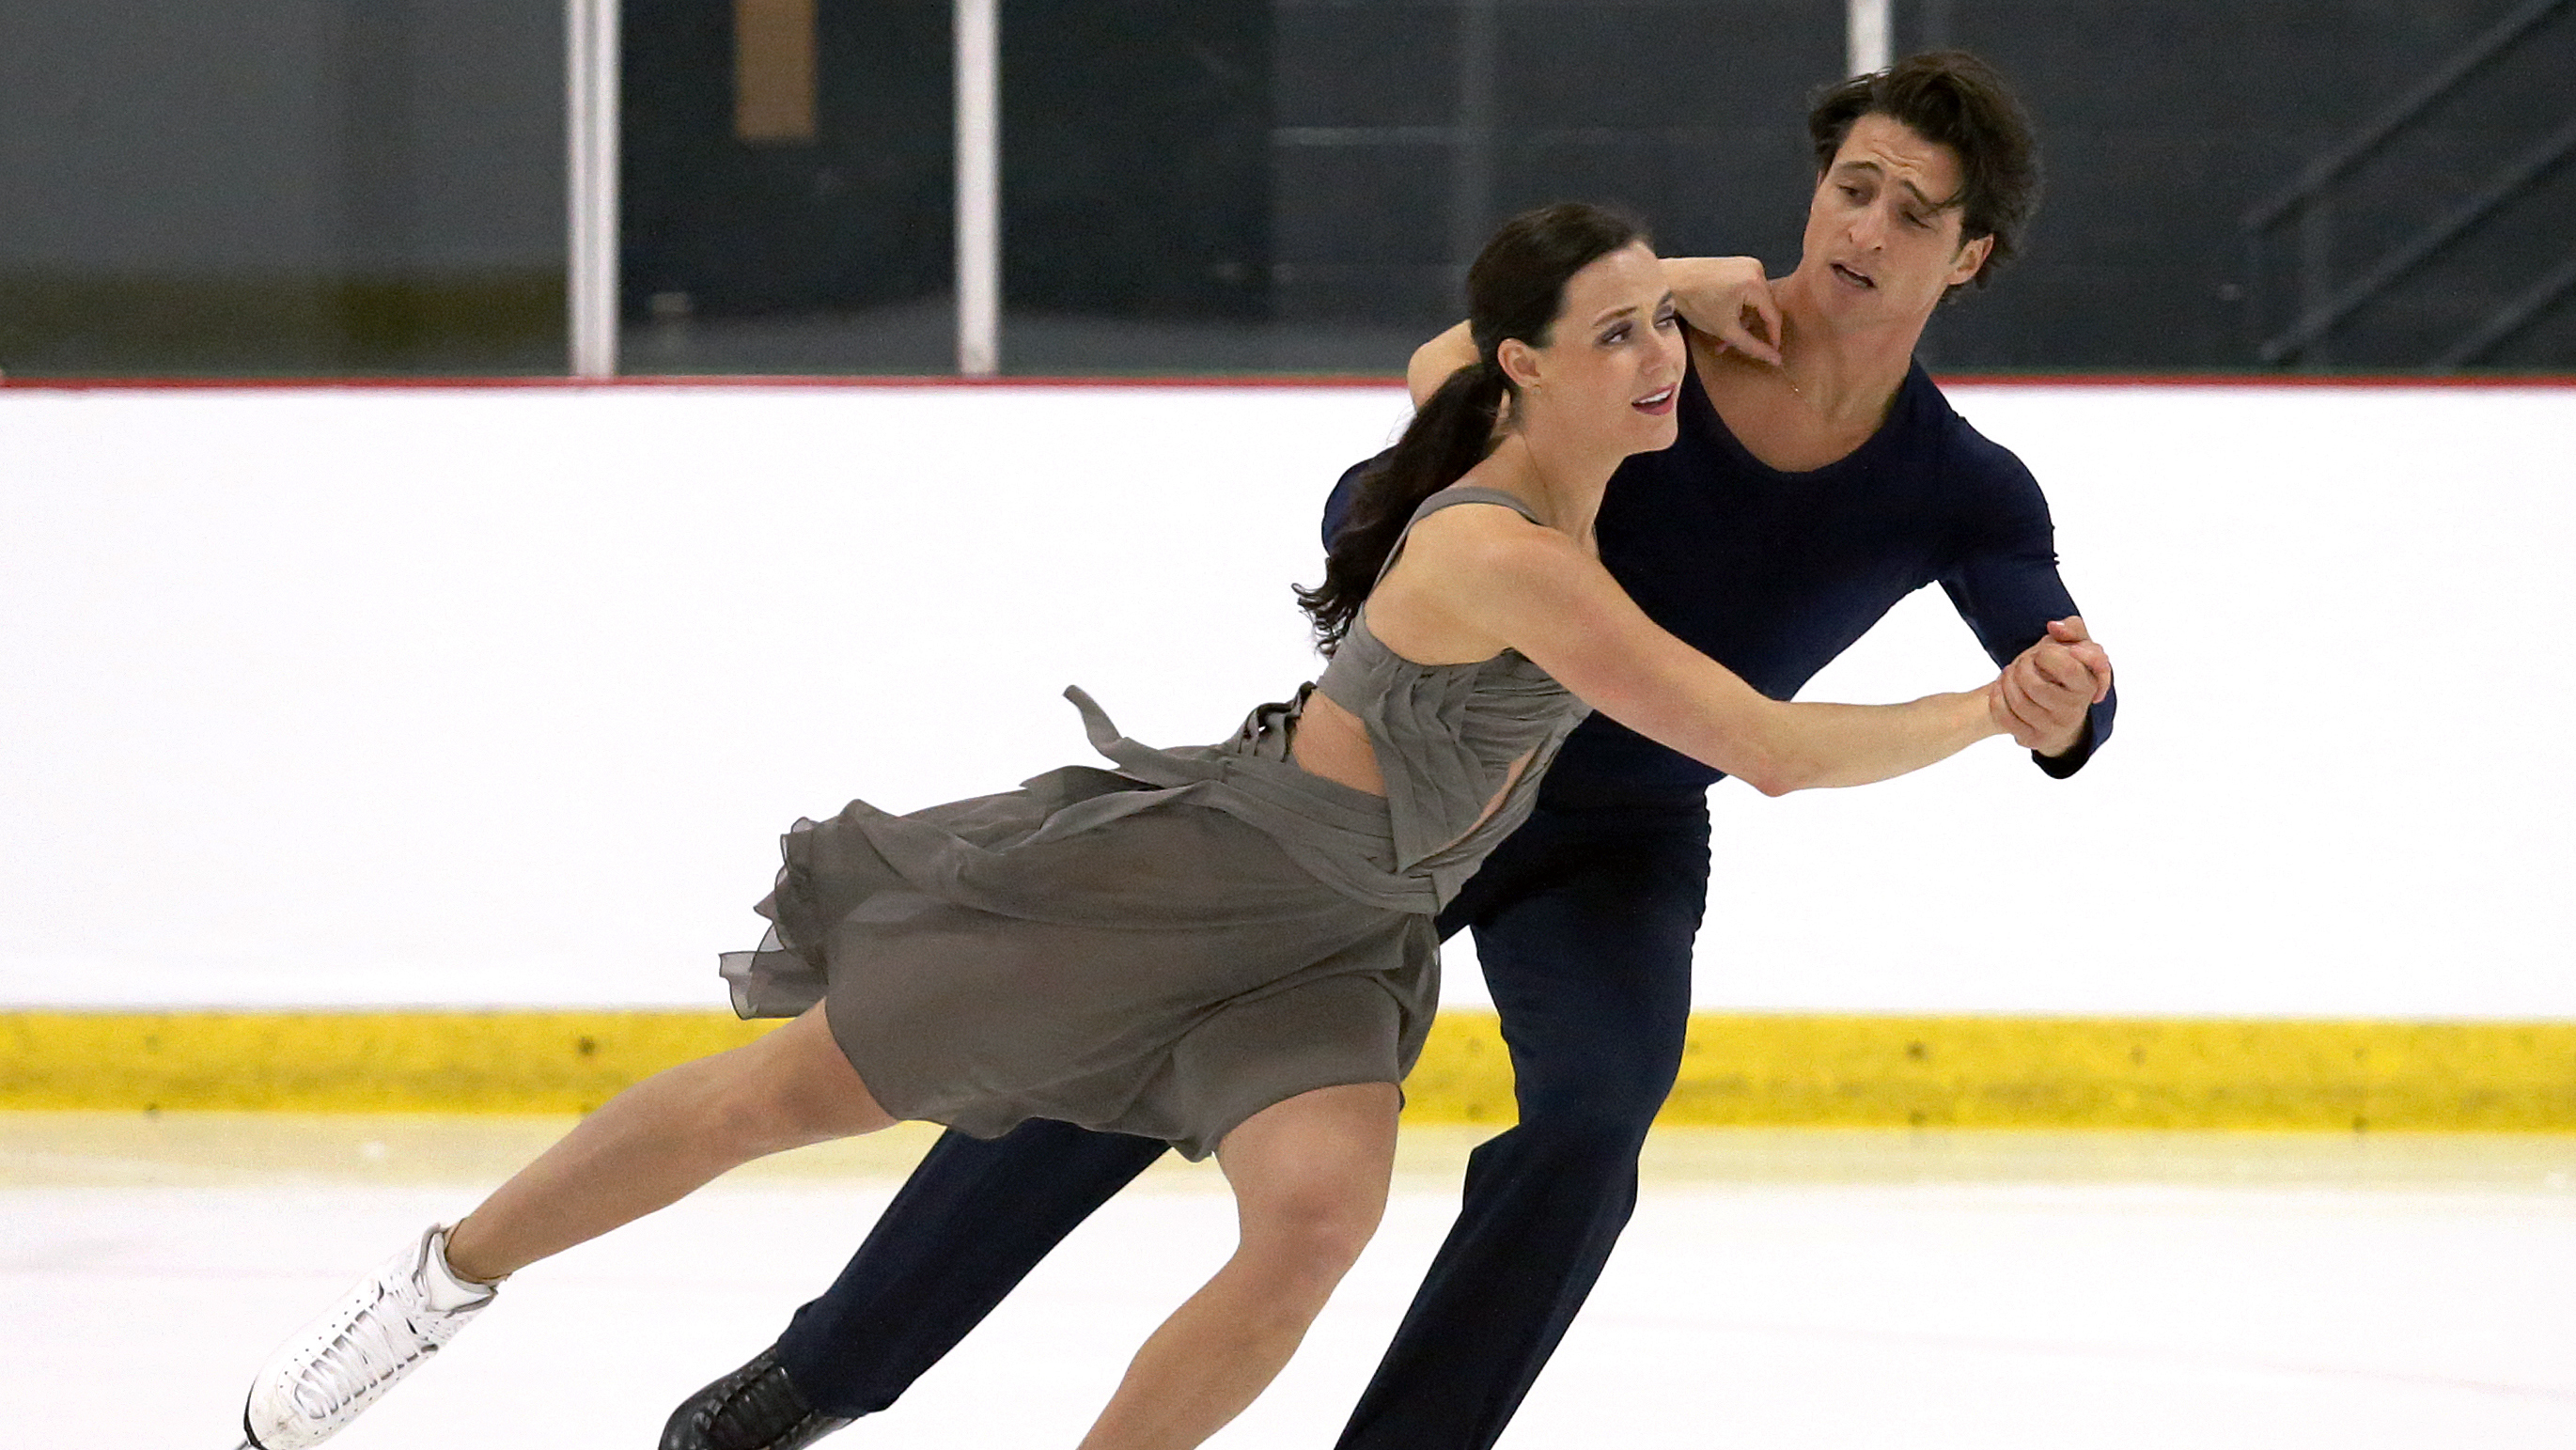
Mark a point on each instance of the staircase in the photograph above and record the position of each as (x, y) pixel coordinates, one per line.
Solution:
(2459, 254)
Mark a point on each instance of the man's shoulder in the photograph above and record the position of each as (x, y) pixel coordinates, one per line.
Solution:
(1346, 491)
(1970, 462)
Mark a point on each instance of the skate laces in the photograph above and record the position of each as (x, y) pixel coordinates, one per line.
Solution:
(379, 1340)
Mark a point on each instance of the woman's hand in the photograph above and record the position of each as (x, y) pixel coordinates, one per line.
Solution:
(1729, 299)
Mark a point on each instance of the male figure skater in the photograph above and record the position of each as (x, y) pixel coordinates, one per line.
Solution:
(1813, 486)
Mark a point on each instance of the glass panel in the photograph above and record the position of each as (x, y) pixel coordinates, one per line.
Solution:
(769, 228)
(1407, 131)
(1136, 207)
(1297, 185)
(281, 187)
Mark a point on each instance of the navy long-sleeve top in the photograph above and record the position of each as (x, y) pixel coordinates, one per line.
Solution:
(1773, 574)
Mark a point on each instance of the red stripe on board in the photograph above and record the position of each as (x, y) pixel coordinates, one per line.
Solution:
(2256, 380)
(1262, 382)
(762, 381)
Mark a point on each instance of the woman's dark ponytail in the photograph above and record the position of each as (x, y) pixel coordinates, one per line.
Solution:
(1451, 432)
(1515, 289)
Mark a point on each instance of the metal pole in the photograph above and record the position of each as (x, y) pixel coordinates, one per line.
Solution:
(590, 130)
(979, 189)
(1471, 175)
(1869, 32)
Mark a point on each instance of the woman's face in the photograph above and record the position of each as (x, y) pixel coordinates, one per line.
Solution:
(1613, 362)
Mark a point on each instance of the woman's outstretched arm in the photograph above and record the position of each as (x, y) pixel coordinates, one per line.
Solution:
(1533, 590)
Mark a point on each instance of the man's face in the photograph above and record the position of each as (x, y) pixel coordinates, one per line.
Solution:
(1882, 240)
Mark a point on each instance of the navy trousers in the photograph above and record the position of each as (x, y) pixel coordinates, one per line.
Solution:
(1584, 921)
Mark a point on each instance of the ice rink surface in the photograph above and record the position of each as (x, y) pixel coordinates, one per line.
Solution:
(1810, 1289)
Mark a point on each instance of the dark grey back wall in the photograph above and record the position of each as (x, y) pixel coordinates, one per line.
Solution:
(2163, 122)
(1404, 134)
(281, 186)
(377, 185)
(232, 137)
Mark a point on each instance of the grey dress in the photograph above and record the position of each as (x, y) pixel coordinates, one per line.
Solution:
(1169, 947)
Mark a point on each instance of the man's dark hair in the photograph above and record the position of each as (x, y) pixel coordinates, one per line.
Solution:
(1957, 100)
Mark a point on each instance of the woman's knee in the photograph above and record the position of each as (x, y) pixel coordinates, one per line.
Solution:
(1310, 1177)
(1325, 1222)
(1306, 1240)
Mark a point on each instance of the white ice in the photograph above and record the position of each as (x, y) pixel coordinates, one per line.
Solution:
(1777, 1289)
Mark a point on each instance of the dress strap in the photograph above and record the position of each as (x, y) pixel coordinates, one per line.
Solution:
(1458, 493)
(1451, 496)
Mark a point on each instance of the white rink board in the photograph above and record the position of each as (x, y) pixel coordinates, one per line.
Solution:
(500, 696)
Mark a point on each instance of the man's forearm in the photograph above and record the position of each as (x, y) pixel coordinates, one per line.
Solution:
(1435, 360)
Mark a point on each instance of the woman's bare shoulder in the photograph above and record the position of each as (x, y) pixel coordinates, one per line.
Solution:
(1486, 533)
(1440, 604)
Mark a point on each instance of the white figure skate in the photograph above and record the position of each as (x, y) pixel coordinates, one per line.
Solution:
(346, 1360)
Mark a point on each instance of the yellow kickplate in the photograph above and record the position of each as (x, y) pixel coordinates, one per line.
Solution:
(1769, 1070)
(2047, 1072)
(371, 1062)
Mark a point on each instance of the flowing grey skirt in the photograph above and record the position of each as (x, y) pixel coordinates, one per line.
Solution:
(1156, 951)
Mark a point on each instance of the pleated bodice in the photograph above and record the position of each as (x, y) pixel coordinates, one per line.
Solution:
(1448, 736)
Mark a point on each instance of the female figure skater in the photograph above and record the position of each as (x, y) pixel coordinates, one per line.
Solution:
(1228, 947)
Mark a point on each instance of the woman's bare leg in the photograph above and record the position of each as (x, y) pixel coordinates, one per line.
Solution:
(1310, 1180)
(659, 1140)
